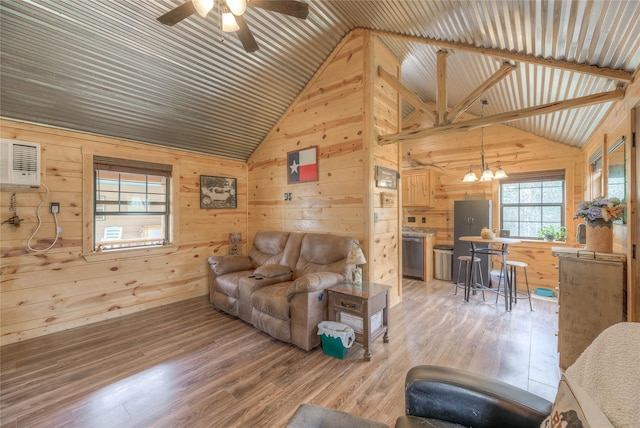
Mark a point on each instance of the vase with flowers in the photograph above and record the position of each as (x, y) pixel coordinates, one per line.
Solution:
(599, 215)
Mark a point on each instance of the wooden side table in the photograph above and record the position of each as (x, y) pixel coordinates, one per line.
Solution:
(364, 302)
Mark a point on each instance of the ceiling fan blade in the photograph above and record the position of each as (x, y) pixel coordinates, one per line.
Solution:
(245, 35)
(294, 8)
(177, 14)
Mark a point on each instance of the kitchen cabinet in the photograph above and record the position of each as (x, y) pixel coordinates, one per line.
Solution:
(417, 188)
(591, 298)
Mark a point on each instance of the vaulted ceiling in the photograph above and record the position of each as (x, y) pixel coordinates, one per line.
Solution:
(109, 67)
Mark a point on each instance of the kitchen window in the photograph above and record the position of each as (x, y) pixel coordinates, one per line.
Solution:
(530, 201)
(131, 204)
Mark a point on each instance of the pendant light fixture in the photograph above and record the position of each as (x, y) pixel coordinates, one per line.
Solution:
(485, 172)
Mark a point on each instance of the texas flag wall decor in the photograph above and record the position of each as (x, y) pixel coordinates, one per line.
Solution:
(302, 165)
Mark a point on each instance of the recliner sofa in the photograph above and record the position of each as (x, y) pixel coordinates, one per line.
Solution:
(279, 287)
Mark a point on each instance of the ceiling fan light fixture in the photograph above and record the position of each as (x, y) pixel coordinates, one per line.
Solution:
(229, 24)
(202, 6)
(237, 7)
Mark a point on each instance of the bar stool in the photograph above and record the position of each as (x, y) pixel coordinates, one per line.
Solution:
(513, 266)
(478, 273)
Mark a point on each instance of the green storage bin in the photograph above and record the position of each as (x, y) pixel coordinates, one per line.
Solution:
(336, 337)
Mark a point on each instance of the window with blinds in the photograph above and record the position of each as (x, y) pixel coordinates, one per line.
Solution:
(131, 203)
(530, 201)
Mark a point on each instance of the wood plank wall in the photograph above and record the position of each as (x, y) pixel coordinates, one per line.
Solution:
(516, 151)
(385, 227)
(333, 112)
(59, 289)
(618, 123)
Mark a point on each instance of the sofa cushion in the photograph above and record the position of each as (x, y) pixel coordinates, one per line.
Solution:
(272, 271)
(272, 300)
(268, 247)
(228, 284)
(325, 253)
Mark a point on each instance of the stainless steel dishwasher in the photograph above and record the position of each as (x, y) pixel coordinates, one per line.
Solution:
(413, 256)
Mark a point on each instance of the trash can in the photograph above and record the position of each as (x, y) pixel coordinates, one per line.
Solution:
(442, 255)
(337, 338)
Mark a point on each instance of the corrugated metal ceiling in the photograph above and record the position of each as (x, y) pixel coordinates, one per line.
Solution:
(108, 67)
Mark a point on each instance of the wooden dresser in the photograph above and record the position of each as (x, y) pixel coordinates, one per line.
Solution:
(591, 298)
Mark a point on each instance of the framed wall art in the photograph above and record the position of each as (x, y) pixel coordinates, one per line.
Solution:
(302, 165)
(386, 177)
(218, 192)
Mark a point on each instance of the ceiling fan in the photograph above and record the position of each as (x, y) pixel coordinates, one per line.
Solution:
(231, 12)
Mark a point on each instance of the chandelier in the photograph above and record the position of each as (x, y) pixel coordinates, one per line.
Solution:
(485, 172)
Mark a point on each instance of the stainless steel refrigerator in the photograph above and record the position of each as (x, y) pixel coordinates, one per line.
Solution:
(469, 217)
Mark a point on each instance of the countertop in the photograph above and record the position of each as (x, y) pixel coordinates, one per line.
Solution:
(581, 253)
(418, 231)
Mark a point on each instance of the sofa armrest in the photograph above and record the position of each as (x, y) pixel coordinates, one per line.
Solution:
(225, 264)
(469, 399)
(315, 281)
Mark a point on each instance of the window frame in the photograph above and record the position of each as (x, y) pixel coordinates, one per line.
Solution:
(534, 177)
(89, 212)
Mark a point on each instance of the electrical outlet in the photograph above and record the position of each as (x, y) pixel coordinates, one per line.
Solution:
(375, 217)
(54, 207)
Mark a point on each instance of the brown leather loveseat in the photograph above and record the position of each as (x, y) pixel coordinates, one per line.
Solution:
(279, 287)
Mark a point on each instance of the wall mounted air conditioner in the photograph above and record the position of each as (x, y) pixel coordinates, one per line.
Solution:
(19, 163)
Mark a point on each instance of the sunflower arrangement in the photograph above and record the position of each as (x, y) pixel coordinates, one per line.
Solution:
(600, 210)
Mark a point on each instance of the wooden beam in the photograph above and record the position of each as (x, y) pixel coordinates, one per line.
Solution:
(500, 74)
(502, 117)
(611, 73)
(412, 98)
(441, 79)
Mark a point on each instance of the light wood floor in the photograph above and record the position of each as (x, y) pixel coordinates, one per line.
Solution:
(188, 364)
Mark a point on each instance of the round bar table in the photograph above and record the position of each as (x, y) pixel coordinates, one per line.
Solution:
(497, 246)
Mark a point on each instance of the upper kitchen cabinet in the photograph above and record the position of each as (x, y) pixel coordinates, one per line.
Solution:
(417, 188)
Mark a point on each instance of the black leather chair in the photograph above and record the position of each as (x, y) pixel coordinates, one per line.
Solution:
(444, 397)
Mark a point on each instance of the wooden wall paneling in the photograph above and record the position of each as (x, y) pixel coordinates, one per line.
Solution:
(56, 290)
(385, 116)
(328, 114)
(618, 122)
(368, 135)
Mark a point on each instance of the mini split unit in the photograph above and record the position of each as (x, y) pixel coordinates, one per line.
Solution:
(19, 163)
